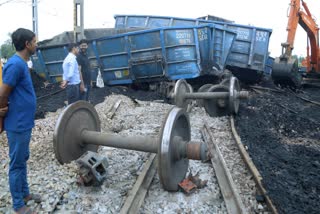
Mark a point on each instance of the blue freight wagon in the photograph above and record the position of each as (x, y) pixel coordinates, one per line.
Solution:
(215, 18)
(268, 68)
(47, 62)
(249, 52)
(147, 55)
(163, 53)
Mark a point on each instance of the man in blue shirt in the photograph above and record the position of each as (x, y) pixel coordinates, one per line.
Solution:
(72, 79)
(17, 111)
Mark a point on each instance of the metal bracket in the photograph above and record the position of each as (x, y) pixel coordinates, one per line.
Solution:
(93, 168)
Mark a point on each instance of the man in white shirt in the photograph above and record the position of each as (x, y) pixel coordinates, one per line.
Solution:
(72, 79)
(30, 65)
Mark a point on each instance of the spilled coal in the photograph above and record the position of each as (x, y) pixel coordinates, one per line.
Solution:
(282, 133)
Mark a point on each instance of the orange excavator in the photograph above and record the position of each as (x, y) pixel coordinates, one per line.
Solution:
(285, 69)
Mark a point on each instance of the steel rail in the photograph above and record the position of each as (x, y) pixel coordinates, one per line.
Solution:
(137, 194)
(50, 94)
(227, 186)
(308, 100)
(256, 175)
(267, 89)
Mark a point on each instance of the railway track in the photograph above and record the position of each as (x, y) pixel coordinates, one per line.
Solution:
(131, 175)
(262, 90)
(228, 188)
(132, 181)
(50, 94)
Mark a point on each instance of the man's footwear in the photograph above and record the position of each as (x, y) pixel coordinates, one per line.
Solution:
(24, 210)
(35, 197)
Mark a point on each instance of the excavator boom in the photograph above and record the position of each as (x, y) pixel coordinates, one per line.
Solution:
(285, 70)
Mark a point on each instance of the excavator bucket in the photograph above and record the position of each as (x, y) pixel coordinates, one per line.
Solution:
(285, 72)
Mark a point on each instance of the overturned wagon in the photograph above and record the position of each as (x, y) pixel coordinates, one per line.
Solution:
(153, 55)
(248, 54)
(47, 62)
(163, 54)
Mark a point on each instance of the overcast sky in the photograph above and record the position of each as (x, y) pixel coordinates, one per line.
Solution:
(56, 16)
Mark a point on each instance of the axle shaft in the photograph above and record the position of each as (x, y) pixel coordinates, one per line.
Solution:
(137, 143)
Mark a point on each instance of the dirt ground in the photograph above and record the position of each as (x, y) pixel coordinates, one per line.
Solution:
(280, 130)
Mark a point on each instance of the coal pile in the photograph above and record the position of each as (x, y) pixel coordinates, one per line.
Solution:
(51, 97)
(282, 134)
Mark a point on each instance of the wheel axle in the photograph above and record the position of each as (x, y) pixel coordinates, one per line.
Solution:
(78, 131)
(218, 100)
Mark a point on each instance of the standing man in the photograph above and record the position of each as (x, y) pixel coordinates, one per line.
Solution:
(17, 112)
(84, 65)
(72, 75)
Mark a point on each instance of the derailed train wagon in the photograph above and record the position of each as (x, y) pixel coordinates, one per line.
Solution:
(47, 62)
(248, 54)
(161, 54)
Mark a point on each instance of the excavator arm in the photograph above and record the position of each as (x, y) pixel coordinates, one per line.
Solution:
(310, 26)
(291, 28)
(285, 68)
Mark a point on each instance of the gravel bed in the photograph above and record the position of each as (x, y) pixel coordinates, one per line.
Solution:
(62, 194)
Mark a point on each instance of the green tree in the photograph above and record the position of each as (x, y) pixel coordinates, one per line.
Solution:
(7, 49)
(295, 56)
(301, 58)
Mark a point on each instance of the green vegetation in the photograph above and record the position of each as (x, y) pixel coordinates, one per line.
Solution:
(7, 49)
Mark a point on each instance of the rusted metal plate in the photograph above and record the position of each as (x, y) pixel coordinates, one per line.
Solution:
(171, 169)
(187, 186)
(67, 142)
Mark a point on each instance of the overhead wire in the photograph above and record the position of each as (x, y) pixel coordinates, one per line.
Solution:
(18, 1)
(5, 2)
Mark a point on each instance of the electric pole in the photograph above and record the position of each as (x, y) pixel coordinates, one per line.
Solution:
(78, 29)
(35, 17)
